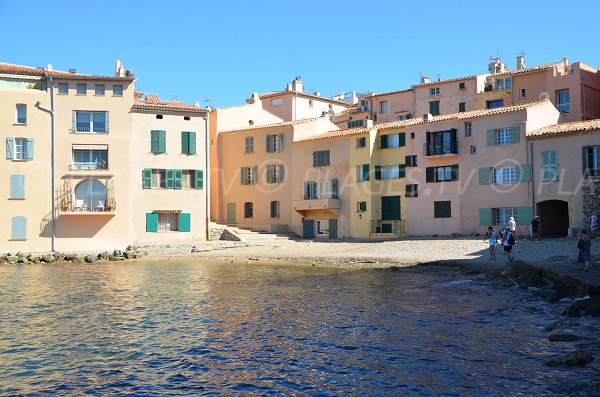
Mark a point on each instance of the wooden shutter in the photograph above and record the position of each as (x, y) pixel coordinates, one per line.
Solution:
(269, 143)
(401, 171)
(524, 215)
(377, 172)
(430, 174)
(306, 190)
(484, 175)
(17, 186)
(270, 174)
(184, 222)
(185, 143)
(308, 228)
(199, 179)
(192, 143)
(177, 179)
(147, 178)
(454, 172)
(10, 147)
(170, 179)
(523, 173)
(401, 139)
(485, 216)
(30, 149)
(333, 228)
(151, 222)
(19, 228)
(515, 134)
(491, 137)
(383, 140)
(334, 188)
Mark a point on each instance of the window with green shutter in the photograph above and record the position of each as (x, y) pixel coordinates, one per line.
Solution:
(491, 137)
(151, 222)
(170, 179)
(484, 175)
(19, 228)
(485, 216)
(549, 165)
(188, 142)
(434, 108)
(184, 222)
(158, 141)
(177, 179)
(147, 178)
(17, 186)
(361, 206)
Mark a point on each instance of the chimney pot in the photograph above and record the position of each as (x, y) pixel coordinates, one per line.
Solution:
(49, 66)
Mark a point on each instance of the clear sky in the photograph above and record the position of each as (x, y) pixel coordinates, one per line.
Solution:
(223, 51)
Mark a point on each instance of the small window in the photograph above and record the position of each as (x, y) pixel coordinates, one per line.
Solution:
(320, 158)
(461, 86)
(522, 93)
(445, 173)
(274, 143)
(434, 91)
(188, 142)
(468, 128)
(117, 90)
(275, 209)
(248, 175)
(563, 102)
(19, 149)
(473, 149)
(99, 89)
(21, 113)
(159, 178)
(362, 173)
(410, 161)
(159, 116)
(168, 222)
(248, 210)
(462, 107)
(383, 107)
(310, 103)
(188, 179)
(505, 175)
(412, 190)
(81, 89)
(275, 173)
(330, 106)
(361, 142)
(186, 118)
(63, 88)
(442, 209)
(249, 144)
(495, 104)
(434, 108)
(355, 123)
(412, 135)
(276, 102)
(503, 136)
(361, 206)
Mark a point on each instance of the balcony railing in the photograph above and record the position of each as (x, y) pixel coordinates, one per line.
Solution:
(447, 148)
(89, 165)
(88, 130)
(396, 227)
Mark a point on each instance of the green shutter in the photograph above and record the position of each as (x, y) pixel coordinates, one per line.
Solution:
(17, 186)
(170, 179)
(199, 179)
(10, 146)
(30, 149)
(151, 222)
(402, 139)
(366, 172)
(383, 140)
(185, 143)
(485, 216)
(154, 144)
(401, 171)
(461, 107)
(524, 215)
(74, 121)
(484, 175)
(147, 177)
(192, 143)
(377, 172)
(184, 222)
(162, 141)
(19, 228)
(491, 137)
(524, 173)
(429, 174)
(177, 179)
(515, 134)
(584, 163)
(334, 188)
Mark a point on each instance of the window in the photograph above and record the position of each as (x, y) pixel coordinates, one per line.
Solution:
(90, 193)
(390, 172)
(99, 89)
(19, 228)
(505, 175)
(503, 84)
(361, 206)
(355, 123)
(81, 89)
(363, 173)
(276, 102)
(90, 122)
(275, 173)
(498, 103)
(591, 161)
(434, 107)
(383, 107)
(412, 190)
(320, 158)
(549, 165)
(159, 179)
(188, 179)
(168, 221)
(468, 128)
(159, 116)
(434, 91)
(393, 140)
(17, 186)
(310, 103)
(117, 90)
(322, 227)
(158, 142)
(441, 143)
(361, 142)
(503, 136)
(404, 116)
(274, 143)
(461, 86)
(410, 161)
(473, 149)
(249, 144)
(442, 209)
(248, 175)
(562, 101)
(19, 149)
(522, 93)
(445, 173)
(21, 113)
(90, 157)
(462, 107)
(188, 142)
(248, 209)
(321, 190)
(502, 215)
(186, 118)
(275, 209)
(63, 88)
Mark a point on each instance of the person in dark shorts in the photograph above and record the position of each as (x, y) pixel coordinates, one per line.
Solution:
(508, 240)
(535, 228)
(584, 244)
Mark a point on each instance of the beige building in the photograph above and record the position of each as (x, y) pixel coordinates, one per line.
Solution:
(169, 159)
(566, 172)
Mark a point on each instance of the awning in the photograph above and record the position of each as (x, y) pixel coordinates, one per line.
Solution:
(90, 147)
(166, 211)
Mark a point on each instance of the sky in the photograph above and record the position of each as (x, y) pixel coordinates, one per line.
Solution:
(219, 52)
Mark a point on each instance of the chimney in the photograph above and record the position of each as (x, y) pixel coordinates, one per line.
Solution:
(369, 123)
(297, 85)
(425, 80)
(317, 93)
(427, 117)
(566, 63)
(253, 99)
(520, 62)
(196, 104)
(495, 66)
(118, 67)
(49, 66)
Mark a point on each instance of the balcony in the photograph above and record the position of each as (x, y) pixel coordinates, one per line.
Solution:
(443, 149)
(387, 229)
(316, 204)
(88, 130)
(88, 165)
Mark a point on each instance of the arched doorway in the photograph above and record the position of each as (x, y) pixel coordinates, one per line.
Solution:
(91, 193)
(554, 218)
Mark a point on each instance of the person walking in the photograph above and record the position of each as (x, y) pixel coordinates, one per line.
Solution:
(512, 225)
(535, 228)
(508, 240)
(492, 238)
(584, 244)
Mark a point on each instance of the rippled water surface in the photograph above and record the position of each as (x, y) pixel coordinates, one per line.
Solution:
(157, 329)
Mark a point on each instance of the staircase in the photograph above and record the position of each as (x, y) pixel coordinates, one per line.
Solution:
(250, 236)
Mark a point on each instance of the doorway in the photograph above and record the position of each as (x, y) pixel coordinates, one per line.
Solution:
(230, 212)
(554, 218)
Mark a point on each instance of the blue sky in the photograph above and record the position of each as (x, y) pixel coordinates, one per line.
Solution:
(222, 51)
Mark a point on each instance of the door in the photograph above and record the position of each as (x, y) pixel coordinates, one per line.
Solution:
(333, 228)
(230, 212)
(308, 228)
(554, 218)
(390, 208)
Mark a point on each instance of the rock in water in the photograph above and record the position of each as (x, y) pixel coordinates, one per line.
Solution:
(581, 307)
(575, 358)
(565, 337)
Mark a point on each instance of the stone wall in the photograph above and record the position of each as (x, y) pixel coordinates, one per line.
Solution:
(591, 202)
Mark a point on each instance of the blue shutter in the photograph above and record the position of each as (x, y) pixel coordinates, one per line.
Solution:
(491, 137)
(199, 179)
(19, 228)
(30, 149)
(524, 173)
(515, 134)
(184, 222)
(17, 186)
(269, 143)
(308, 228)
(523, 215)
(333, 228)
(151, 222)
(334, 188)
(484, 175)
(10, 147)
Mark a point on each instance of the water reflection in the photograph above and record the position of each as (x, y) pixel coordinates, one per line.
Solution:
(191, 329)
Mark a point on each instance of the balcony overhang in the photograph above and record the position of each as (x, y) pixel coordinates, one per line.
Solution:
(318, 204)
(88, 213)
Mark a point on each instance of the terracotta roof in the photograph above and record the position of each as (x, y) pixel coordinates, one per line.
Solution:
(334, 134)
(9, 68)
(284, 124)
(153, 102)
(445, 81)
(391, 92)
(137, 94)
(536, 68)
(575, 127)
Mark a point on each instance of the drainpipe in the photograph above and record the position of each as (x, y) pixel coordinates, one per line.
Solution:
(51, 111)
(207, 173)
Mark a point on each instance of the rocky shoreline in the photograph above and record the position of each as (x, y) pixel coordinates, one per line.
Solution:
(57, 257)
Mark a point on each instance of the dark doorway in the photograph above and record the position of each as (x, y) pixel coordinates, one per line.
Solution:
(554, 218)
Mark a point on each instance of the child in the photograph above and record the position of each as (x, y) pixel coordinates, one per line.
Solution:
(492, 238)
(585, 250)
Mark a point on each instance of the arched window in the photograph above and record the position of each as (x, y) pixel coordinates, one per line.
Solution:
(91, 193)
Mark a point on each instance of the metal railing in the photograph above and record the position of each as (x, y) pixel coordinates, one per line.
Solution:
(88, 165)
(88, 130)
(388, 226)
(431, 149)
